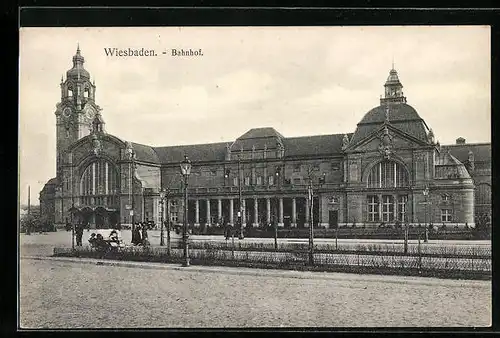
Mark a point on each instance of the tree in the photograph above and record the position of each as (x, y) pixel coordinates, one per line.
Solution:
(483, 226)
(34, 222)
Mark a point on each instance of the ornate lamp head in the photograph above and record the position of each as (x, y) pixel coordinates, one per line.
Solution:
(185, 166)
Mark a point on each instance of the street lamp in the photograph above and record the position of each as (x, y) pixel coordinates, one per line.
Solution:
(275, 223)
(310, 195)
(185, 171)
(240, 213)
(162, 201)
(426, 194)
(311, 232)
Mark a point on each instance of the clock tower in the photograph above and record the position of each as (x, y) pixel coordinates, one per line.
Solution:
(77, 109)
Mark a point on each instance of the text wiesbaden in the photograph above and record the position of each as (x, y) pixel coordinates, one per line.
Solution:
(117, 52)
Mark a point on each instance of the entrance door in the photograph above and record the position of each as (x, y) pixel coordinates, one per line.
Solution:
(100, 220)
(333, 219)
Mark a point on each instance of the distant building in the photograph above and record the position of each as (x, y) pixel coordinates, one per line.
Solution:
(377, 174)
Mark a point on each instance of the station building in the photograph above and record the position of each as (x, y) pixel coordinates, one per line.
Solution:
(389, 169)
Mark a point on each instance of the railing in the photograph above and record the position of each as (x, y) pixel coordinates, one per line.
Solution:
(463, 267)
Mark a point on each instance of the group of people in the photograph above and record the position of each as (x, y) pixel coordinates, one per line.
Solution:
(98, 241)
(140, 234)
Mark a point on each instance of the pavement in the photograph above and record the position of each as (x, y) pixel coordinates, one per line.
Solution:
(242, 271)
(76, 293)
(64, 238)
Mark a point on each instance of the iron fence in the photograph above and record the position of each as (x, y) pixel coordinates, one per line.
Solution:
(456, 266)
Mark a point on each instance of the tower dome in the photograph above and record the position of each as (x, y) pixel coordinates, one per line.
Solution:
(78, 72)
(393, 110)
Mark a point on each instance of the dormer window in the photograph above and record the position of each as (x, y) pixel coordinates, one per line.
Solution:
(445, 197)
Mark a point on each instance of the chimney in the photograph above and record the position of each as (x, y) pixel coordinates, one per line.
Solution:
(460, 140)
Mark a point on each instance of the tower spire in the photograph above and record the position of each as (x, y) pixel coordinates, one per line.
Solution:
(393, 62)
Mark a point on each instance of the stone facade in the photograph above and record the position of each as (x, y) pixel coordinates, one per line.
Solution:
(389, 170)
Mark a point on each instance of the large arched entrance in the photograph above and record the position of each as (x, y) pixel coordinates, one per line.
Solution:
(99, 195)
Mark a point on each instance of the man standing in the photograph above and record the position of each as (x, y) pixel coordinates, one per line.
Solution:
(79, 234)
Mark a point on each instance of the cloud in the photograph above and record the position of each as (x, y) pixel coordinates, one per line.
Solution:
(299, 80)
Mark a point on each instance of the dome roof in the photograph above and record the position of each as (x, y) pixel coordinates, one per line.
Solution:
(400, 115)
(78, 71)
(397, 112)
(449, 167)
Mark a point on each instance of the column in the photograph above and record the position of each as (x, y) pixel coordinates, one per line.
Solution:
(395, 210)
(307, 212)
(243, 212)
(231, 211)
(94, 179)
(208, 211)
(106, 179)
(197, 213)
(219, 210)
(268, 210)
(294, 213)
(255, 212)
(280, 221)
(380, 208)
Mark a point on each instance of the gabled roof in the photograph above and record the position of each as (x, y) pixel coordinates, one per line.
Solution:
(145, 153)
(481, 151)
(445, 158)
(313, 145)
(195, 152)
(260, 133)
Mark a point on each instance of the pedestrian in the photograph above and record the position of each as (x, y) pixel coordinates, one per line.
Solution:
(138, 237)
(79, 234)
(145, 240)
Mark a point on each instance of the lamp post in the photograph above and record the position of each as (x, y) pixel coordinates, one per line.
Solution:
(185, 171)
(168, 221)
(310, 195)
(132, 211)
(311, 231)
(426, 194)
(275, 223)
(240, 213)
(70, 160)
(162, 201)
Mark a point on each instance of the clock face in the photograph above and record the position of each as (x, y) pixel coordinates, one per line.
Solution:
(89, 112)
(67, 111)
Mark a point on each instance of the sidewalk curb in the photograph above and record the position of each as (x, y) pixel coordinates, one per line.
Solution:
(331, 276)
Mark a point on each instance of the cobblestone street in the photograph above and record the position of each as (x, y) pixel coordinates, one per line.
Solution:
(64, 294)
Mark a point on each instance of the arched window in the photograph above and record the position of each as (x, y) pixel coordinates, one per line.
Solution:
(387, 174)
(483, 194)
(99, 178)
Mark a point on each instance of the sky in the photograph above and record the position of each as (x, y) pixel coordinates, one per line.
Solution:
(299, 80)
